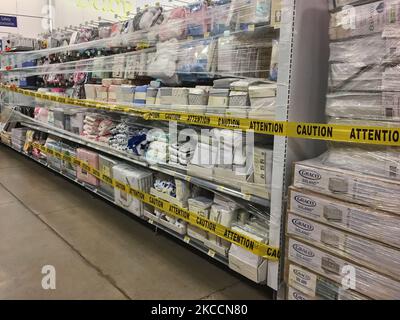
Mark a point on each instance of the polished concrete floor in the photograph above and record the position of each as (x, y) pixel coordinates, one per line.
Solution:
(97, 251)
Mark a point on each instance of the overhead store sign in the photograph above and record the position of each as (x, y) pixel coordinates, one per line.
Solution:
(8, 21)
(120, 7)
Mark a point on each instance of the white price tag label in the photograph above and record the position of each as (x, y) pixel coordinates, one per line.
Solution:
(186, 239)
(211, 253)
(151, 221)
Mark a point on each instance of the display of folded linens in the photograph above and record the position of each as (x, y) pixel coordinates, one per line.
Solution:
(200, 206)
(205, 155)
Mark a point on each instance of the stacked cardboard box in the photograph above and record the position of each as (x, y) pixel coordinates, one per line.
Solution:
(364, 62)
(343, 222)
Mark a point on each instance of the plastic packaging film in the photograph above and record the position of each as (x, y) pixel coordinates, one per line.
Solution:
(93, 115)
(197, 62)
(197, 25)
(343, 211)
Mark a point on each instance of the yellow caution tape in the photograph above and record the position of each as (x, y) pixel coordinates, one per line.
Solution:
(256, 247)
(341, 133)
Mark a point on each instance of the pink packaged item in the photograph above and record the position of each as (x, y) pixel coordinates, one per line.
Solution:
(198, 20)
(41, 114)
(92, 159)
(57, 90)
(174, 26)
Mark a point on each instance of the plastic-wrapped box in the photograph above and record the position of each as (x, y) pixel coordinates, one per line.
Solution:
(90, 91)
(218, 98)
(348, 185)
(52, 161)
(92, 159)
(364, 221)
(67, 167)
(244, 262)
(136, 178)
(106, 165)
(359, 20)
(367, 282)
(118, 69)
(307, 285)
(200, 206)
(125, 93)
(140, 95)
(368, 253)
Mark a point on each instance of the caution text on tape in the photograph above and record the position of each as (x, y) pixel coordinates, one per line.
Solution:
(256, 247)
(388, 136)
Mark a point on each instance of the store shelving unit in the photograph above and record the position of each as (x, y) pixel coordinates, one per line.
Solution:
(302, 82)
(192, 242)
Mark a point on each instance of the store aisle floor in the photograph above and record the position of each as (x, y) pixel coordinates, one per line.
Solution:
(97, 251)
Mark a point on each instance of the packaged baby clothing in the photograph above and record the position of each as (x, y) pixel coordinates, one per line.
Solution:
(92, 159)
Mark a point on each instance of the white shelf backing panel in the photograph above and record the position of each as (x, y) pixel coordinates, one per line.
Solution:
(302, 84)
